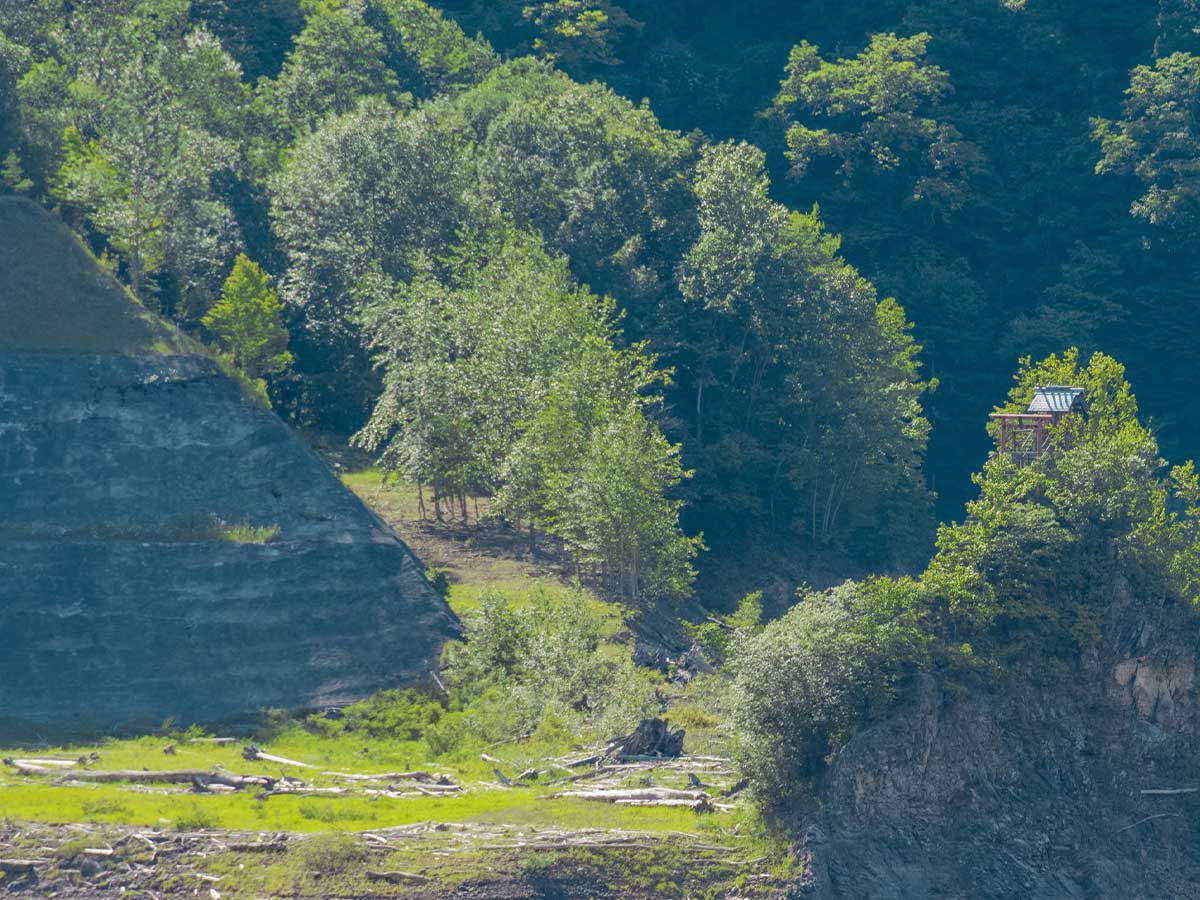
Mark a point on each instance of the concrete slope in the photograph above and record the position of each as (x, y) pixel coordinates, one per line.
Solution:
(124, 597)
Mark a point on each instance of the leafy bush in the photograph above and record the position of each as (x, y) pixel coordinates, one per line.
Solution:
(546, 657)
(812, 678)
(396, 714)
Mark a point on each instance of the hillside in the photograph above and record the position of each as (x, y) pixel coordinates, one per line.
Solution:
(55, 297)
(169, 548)
(741, 490)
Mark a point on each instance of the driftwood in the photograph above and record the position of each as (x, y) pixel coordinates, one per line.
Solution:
(423, 777)
(701, 805)
(19, 865)
(258, 847)
(395, 876)
(632, 794)
(219, 741)
(1169, 792)
(736, 788)
(254, 754)
(437, 790)
(47, 762)
(586, 761)
(179, 776)
(302, 789)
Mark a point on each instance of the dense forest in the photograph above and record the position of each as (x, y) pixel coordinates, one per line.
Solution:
(677, 284)
(667, 334)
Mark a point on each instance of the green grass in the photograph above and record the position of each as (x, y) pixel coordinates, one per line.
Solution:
(54, 295)
(473, 572)
(245, 533)
(37, 800)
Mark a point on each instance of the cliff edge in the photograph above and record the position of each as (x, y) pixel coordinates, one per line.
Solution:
(1063, 783)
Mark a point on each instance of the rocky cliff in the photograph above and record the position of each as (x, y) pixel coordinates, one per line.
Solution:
(127, 593)
(1066, 781)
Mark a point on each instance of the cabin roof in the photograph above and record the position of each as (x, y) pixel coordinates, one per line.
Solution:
(1056, 398)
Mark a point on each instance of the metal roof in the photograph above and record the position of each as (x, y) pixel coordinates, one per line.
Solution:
(1056, 398)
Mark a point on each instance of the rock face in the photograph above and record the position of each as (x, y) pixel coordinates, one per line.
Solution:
(1035, 791)
(123, 598)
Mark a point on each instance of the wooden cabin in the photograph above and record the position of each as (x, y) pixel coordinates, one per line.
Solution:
(1023, 436)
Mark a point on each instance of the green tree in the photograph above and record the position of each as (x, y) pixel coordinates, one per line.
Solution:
(247, 319)
(334, 62)
(365, 194)
(592, 468)
(871, 114)
(1157, 139)
(805, 388)
(580, 31)
(811, 679)
(151, 111)
(13, 174)
(466, 354)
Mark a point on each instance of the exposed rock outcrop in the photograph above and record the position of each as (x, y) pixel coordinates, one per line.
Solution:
(125, 594)
(1037, 790)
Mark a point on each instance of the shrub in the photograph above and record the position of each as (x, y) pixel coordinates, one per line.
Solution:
(398, 714)
(545, 657)
(330, 854)
(812, 678)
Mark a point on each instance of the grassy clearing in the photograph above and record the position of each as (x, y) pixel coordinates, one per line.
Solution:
(477, 554)
(39, 800)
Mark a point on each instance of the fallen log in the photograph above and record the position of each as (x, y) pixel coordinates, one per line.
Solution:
(299, 790)
(139, 776)
(46, 762)
(437, 790)
(632, 794)
(19, 865)
(736, 788)
(693, 804)
(1169, 792)
(425, 777)
(586, 761)
(258, 847)
(254, 754)
(395, 876)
